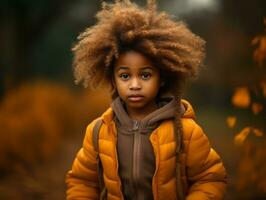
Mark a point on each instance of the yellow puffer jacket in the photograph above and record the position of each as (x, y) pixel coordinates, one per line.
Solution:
(202, 172)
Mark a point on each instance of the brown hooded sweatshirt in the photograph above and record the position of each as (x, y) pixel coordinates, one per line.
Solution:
(135, 153)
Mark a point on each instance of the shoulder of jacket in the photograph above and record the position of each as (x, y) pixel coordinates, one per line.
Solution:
(187, 109)
(191, 129)
(89, 131)
(92, 124)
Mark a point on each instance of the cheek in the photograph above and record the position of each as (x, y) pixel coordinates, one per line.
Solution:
(120, 87)
(155, 85)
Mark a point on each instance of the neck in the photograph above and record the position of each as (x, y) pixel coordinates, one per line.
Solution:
(140, 113)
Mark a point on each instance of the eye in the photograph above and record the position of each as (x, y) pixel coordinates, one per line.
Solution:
(146, 75)
(124, 76)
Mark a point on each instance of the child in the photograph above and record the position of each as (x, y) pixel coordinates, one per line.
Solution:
(149, 145)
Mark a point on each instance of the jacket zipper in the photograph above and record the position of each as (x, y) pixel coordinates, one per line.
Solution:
(136, 151)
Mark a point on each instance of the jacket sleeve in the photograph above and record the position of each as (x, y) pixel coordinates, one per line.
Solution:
(206, 173)
(82, 179)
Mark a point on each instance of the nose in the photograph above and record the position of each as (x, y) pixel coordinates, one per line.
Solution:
(135, 84)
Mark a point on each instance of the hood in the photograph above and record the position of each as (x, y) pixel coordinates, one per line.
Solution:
(188, 112)
(167, 108)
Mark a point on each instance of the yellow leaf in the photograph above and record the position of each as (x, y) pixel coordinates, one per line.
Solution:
(256, 108)
(241, 97)
(257, 132)
(240, 137)
(231, 121)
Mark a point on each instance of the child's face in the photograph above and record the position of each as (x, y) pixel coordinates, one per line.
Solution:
(136, 79)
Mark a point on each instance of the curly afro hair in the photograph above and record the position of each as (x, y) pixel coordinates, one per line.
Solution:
(123, 25)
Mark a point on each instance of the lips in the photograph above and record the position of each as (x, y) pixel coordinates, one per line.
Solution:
(135, 97)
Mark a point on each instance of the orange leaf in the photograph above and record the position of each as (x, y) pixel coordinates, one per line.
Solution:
(240, 137)
(231, 121)
(255, 40)
(256, 108)
(259, 54)
(263, 86)
(257, 132)
(241, 97)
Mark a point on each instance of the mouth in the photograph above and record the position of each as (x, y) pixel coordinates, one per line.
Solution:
(135, 98)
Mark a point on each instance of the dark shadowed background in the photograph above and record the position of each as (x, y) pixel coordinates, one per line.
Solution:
(43, 115)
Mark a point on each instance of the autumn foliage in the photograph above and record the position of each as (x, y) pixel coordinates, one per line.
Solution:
(259, 54)
(251, 138)
(35, 118)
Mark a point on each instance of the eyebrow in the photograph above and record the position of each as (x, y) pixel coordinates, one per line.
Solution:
(122, 67)
(143, 68)
(147, 67)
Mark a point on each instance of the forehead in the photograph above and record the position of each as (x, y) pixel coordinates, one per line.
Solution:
(133, 59)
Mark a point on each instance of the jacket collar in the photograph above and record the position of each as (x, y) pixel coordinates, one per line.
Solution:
(189, 111)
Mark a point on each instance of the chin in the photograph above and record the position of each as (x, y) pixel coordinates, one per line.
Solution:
(136, 104)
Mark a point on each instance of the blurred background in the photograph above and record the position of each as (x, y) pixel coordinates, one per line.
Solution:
(43, 115)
